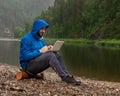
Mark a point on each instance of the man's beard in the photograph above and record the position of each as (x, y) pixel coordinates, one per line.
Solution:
(40, 34)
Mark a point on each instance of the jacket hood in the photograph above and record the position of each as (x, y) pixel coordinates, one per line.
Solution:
(37, 25)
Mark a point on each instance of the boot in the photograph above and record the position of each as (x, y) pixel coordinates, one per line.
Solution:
(71, 80)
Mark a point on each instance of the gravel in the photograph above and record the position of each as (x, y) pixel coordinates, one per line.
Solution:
(52, 85)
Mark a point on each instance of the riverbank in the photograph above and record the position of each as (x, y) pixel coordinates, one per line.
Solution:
(9, 39)
(108, 43)
(52, 85)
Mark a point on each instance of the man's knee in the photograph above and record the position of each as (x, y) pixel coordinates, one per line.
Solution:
(51, 54)
(58, 55)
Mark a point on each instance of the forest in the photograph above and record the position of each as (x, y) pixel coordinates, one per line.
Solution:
(91, 19)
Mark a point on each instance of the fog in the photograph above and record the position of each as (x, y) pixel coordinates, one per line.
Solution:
(15, 13)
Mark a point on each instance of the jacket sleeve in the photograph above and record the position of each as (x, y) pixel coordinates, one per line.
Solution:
(26, 50)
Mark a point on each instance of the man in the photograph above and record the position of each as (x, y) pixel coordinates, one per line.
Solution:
(34, 58)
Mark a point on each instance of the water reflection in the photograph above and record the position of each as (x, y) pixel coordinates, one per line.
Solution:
(88, 61)
(93, 62)
(9, 52)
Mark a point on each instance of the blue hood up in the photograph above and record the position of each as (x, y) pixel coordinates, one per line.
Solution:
(31, 43)
(37, 25)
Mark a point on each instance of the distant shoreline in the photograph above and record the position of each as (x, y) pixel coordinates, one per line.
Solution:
(8, 39)
(110, 43)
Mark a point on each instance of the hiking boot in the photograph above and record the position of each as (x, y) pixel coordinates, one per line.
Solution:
(31, 75)
(71, 80)
(39, 76)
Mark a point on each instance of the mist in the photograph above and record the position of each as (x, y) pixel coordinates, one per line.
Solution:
(15, 13)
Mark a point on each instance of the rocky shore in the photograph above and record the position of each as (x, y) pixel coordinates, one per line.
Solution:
(52, 85)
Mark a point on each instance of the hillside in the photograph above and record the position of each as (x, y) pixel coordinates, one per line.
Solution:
(91, 19)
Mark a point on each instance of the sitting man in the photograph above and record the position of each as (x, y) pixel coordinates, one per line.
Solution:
(33, 56)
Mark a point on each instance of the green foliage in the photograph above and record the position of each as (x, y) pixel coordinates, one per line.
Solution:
(93, 19)
(19, 32)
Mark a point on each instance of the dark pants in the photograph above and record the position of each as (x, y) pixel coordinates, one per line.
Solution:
(46, 60)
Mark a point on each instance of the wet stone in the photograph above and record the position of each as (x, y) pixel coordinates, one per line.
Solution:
(52, 85)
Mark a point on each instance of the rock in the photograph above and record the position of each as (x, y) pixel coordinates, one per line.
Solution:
(52, 85)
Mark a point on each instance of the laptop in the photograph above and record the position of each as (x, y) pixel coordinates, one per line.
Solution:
(57, 46)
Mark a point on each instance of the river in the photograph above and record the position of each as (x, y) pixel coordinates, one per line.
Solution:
(81, 60)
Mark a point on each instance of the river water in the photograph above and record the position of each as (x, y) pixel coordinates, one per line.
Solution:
(81, 60)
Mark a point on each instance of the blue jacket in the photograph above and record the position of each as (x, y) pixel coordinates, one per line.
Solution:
(31, 43)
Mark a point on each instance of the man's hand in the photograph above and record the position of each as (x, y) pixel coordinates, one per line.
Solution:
(50, 47)
(44, 49)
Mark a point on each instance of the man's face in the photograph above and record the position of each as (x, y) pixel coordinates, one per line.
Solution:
(42, 31)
